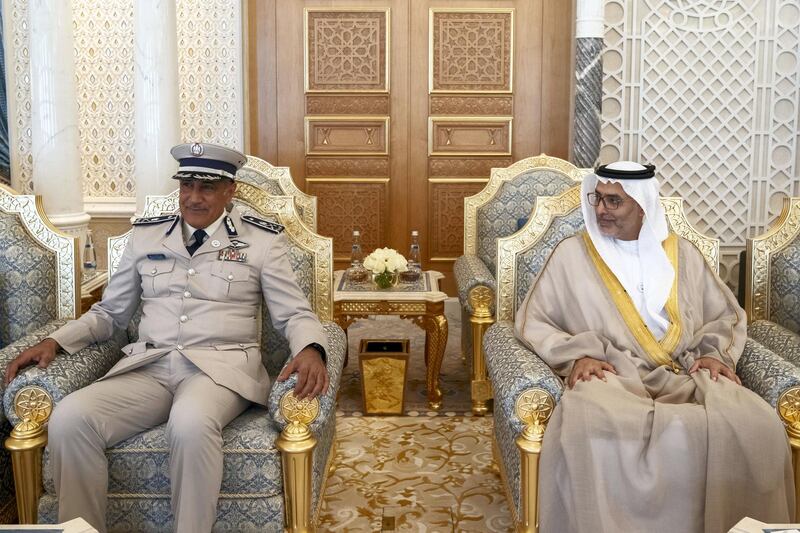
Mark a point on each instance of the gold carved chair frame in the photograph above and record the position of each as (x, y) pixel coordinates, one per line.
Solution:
(783, 232)
(257, 171)
(481, 297)
(759, 251)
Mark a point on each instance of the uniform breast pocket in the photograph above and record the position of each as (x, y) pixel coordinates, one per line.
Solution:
(232, 281)
(156, 276)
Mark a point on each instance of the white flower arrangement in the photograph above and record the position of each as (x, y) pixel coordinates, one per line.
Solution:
(385, 264)
(385, 260)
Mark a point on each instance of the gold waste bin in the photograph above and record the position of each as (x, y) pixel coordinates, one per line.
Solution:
(383, 364)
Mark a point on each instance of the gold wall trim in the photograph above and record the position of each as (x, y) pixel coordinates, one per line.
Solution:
(347, 180)
(443, 259)
(496, 180)
(431, 15)
(759, 251)
(382, 121)
(344, 104)
(505, 122)
(387, 49)
(30, 210)
(458, 180)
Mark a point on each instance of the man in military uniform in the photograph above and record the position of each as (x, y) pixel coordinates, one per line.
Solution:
(200, 278)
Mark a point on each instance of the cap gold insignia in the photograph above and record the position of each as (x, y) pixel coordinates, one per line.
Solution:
(229, 254)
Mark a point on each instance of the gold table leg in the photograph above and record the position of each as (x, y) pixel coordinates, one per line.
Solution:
(435, 342)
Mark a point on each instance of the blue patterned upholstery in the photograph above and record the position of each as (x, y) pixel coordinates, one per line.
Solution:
(67, 373)
(28, 306)
(498, 217)
(765, 372)
(27, 281)
(513, 365)
(470, 272)
(777, 338)
(531, 262)
(252, 496)
(784, 286)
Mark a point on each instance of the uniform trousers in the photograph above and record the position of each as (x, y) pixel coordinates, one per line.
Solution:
(94, 418)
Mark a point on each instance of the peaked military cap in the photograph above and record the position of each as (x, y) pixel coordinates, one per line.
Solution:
(204, 161)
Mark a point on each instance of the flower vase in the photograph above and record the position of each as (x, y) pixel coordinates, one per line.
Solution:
(385, 280)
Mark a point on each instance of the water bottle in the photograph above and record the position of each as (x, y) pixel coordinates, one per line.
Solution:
(89, 256)
(414, 260)
(356, 273)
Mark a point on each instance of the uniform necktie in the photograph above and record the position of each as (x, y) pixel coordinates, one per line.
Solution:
(199, 237)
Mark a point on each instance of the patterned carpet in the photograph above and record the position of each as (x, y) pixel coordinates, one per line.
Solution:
(423, 472)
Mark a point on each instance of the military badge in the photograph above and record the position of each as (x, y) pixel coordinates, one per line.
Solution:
(272, 227)
(230, 227)
(236, 244)
(229, 254)
(154, 220)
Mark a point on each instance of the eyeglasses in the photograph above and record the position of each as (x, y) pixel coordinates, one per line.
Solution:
(610, 202)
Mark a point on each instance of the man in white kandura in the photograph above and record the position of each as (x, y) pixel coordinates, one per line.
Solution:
(655, 432)
(200, 279)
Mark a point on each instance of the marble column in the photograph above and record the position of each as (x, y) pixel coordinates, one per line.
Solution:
(55, 141)
(157, 106)
(588, 82)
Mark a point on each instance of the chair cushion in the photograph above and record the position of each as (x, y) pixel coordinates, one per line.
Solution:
(784, 286)
(252, 464)
(498, 217)
(531, 262)
(28, 284)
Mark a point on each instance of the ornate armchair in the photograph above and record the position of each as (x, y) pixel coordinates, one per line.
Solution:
(276, 459)
(489, 215)
(38, 292)
(772, 302)
(277, 181)
(527, 390)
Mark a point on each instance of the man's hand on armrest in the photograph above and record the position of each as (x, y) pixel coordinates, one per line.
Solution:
(312, 376)
(586, 367)
(42, 354)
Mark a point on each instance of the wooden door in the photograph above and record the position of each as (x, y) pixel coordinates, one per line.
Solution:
(392, 111)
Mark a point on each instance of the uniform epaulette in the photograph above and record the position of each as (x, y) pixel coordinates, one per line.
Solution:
(154, 220)
(272, 227)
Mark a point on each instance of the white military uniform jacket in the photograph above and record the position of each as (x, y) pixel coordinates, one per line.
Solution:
(205, 306)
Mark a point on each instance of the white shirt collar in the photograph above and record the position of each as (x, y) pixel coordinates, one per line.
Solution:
(213, 227)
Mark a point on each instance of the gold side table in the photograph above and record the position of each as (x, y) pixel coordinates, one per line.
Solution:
(422, 304)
